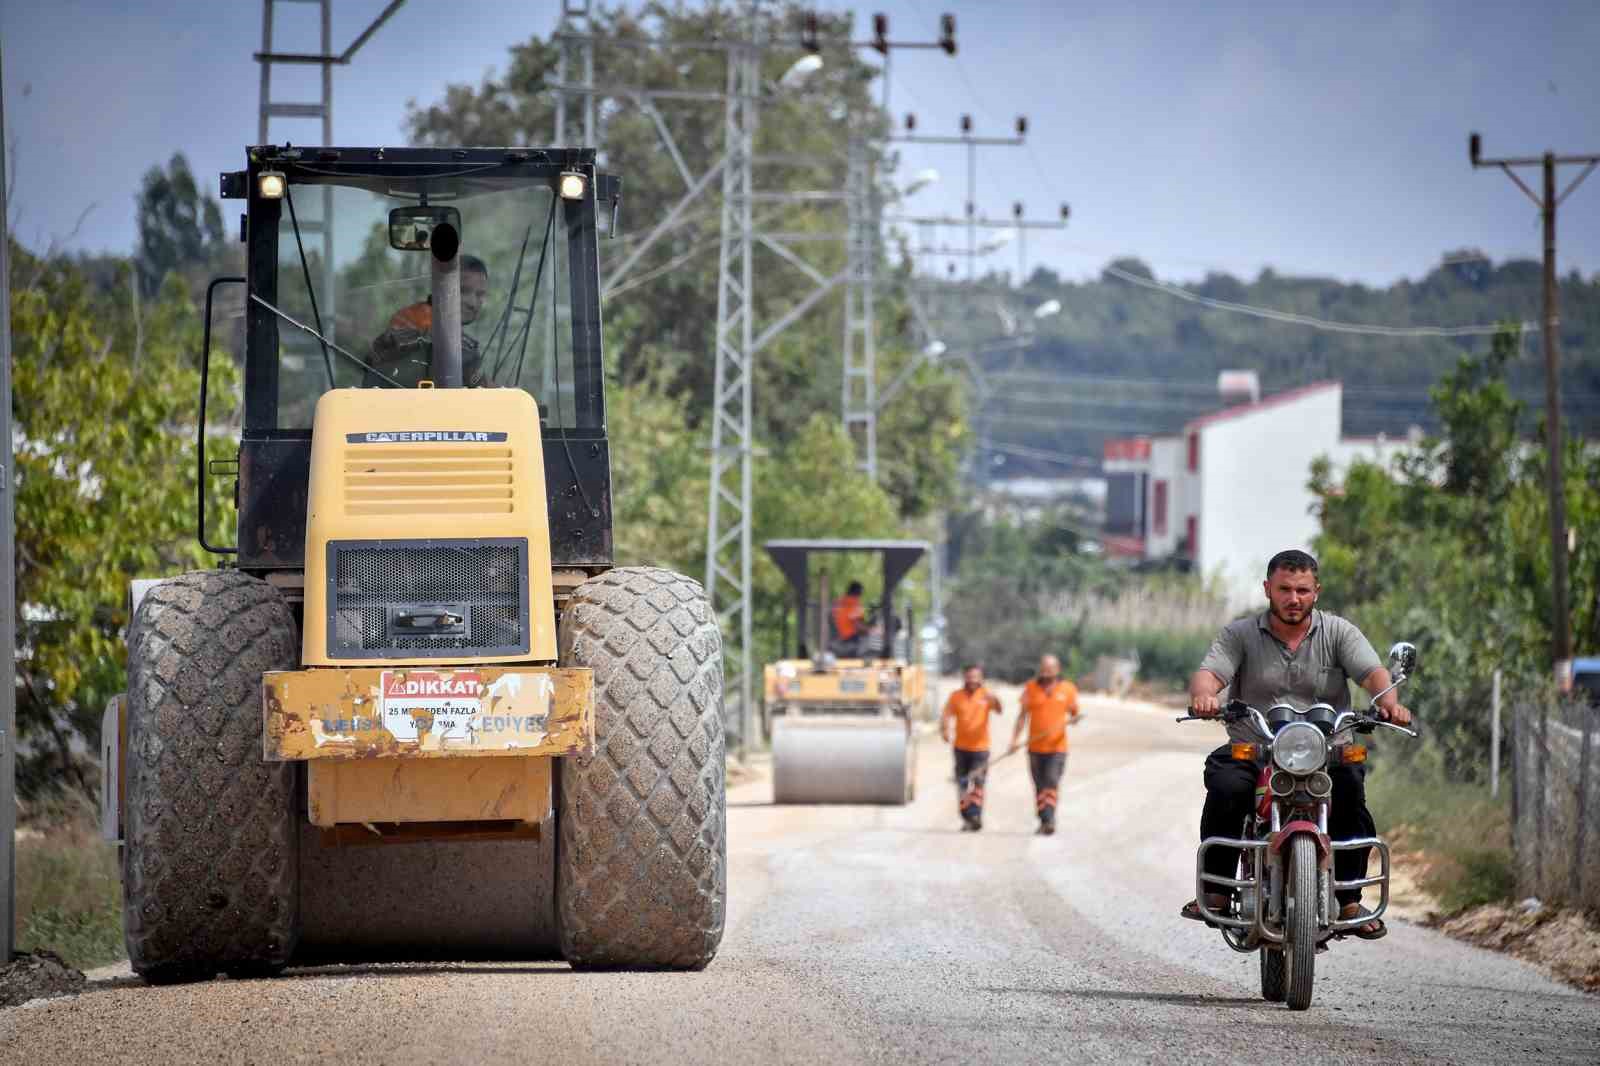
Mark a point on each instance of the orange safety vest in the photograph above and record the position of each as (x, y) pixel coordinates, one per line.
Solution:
(971, 712)
(1047, 714)
(847, 616)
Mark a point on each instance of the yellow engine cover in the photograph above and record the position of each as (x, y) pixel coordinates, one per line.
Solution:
(427, 464)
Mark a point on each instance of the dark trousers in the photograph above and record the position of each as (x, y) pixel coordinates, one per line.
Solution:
(971, 770)
(1046, 769)
(1231, 795)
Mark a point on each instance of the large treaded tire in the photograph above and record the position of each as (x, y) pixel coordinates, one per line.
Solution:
(211, 864)
(1301, 898)
(642, 857)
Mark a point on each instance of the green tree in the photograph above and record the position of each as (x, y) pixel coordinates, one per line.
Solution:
(660, 318)
(105, 432)
(1451, 549)
(179, 227)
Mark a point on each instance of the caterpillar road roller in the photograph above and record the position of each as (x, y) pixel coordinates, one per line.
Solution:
(414, 711)
(840, 714)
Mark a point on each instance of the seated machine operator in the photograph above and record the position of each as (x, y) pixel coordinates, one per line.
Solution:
(404, 351)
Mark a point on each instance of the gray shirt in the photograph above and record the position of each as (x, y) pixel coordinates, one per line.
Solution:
(1259, 669)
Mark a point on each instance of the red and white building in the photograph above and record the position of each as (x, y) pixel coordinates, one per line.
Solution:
(1230, 490)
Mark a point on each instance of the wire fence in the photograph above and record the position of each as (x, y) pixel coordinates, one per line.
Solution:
(1555, 800)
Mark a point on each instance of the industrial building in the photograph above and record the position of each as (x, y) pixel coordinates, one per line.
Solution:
(1230, 489)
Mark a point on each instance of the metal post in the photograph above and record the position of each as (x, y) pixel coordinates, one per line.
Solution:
(1561, 623)
(1581, 831)
(330, 290)
(1494, 737)
(859, 381)
(8, 591)
(266, 70)
(972, 208)
(728, 526)
(1541, 811)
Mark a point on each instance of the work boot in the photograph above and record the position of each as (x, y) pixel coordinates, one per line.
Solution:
(977, 825)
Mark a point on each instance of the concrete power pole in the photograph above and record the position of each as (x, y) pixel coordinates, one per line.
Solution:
(1550, 328)
(8, 589)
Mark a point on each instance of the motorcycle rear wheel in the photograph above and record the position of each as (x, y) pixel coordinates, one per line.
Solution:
(1274, 975)
(1301, 923)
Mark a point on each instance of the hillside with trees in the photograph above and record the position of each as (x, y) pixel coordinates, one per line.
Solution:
(1122, 359)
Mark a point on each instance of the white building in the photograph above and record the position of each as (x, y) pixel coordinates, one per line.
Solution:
(1230, 491)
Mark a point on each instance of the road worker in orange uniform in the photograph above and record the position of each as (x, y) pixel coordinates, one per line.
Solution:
(1049, 705)
(968, 711)
(849, 621)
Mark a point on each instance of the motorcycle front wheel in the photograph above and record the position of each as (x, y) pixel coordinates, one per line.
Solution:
(1301, 924)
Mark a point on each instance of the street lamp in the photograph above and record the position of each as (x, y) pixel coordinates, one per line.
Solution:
(923, 178)
(800, 70)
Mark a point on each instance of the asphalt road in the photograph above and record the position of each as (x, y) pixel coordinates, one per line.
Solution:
(884, 935)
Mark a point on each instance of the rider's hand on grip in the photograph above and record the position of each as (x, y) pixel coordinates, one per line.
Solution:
(1205, 706)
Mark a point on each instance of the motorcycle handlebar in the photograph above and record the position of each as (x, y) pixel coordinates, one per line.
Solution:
(1236, 711)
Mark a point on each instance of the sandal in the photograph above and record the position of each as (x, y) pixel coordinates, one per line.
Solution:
(1373, 930)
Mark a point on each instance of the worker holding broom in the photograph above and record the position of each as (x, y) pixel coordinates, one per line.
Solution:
(965, 725)
(1049, 704)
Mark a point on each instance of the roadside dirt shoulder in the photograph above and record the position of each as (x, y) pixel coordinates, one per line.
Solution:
(1566, 943)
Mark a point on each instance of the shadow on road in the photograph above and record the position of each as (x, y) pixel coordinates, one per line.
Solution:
(1175, 999)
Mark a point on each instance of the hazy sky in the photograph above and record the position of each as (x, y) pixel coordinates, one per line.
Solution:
(1311, 137)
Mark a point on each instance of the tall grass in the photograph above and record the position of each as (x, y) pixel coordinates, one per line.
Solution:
(69, 894)
(1465, 835)
(1169, 604)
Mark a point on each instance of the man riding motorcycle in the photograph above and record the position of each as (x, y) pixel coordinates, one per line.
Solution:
(1290, 653)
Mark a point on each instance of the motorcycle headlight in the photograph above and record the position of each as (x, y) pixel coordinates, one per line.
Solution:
(1300, 748)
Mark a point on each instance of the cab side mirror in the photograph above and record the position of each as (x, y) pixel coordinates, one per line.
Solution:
(411, 227)
(1402, 660)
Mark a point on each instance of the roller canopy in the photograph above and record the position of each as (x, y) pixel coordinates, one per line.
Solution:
(792, 556)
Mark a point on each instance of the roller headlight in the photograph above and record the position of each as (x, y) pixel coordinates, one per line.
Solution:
(571, 185)
(271, 184)
(1300, 748)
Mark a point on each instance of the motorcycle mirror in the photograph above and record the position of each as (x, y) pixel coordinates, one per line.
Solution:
(1402, 660)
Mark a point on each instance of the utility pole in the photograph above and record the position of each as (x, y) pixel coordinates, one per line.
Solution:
(1560, 591)
(859, 385)
(327, 59)
(737, 340)
(972, 144)
(8, 589)
(926, 224)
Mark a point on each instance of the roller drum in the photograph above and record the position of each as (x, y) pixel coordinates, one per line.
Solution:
(841, 760)
(428, 900)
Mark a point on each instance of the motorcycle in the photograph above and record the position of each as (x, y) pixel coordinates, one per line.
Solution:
(1282, 904)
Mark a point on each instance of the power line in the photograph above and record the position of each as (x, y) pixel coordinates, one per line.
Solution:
(1296, 319)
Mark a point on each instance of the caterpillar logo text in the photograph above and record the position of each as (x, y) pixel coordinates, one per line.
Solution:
(425, 436)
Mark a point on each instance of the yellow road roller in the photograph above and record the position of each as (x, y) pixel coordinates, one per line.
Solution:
(415, 711)
(840, 713)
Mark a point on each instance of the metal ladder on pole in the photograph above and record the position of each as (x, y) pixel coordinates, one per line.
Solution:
(322, 109)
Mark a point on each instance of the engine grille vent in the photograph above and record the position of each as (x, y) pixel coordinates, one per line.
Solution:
(375, 587)
(400, 481)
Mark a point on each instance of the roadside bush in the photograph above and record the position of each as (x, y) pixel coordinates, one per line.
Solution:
(1010, 651)
(69, 895)
(1464, 835)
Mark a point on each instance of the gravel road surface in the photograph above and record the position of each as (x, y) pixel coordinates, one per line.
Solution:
(884, 935)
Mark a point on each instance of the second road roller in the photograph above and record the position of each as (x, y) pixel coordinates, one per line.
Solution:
(840, 713)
